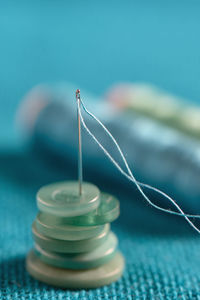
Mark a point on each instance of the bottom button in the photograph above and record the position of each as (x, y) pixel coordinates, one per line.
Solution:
(75, 279)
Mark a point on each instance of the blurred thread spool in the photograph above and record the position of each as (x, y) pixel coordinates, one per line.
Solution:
(151, 102)
(161, 156)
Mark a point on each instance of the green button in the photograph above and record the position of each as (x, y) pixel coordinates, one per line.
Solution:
(45, 225)
(63, 199)
(92, 259)
(107, 211)
(62, 246)
(75, 279)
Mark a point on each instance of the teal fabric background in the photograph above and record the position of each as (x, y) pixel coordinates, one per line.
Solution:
(95, 44)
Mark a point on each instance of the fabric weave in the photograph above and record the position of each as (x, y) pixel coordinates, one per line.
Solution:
(95, 44)
(161, 251)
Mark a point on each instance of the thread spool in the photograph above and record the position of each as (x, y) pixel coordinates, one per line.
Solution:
(155, 104)
(160, 153)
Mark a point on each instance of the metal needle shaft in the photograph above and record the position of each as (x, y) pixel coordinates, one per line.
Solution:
(80, 164)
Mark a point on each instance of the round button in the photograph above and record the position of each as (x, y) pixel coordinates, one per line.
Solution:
(62, 246)
(91, 259)
(75, 279)
(63, 199)
(107, 211)
(46, 226)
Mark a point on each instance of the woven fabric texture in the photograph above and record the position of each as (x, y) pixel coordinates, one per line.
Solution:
(95, 43)
(161, 252)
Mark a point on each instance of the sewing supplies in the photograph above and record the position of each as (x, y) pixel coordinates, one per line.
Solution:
(74, 246)
(128, 173)
(159, 154)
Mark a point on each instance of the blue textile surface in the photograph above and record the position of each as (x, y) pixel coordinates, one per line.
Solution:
(95, 44)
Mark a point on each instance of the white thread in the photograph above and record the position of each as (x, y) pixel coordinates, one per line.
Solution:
(130, 176)
(128, 168)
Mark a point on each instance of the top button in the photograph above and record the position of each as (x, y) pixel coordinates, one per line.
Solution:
(63, 199)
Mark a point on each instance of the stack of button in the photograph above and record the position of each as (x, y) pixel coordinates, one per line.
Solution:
(74, 247)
